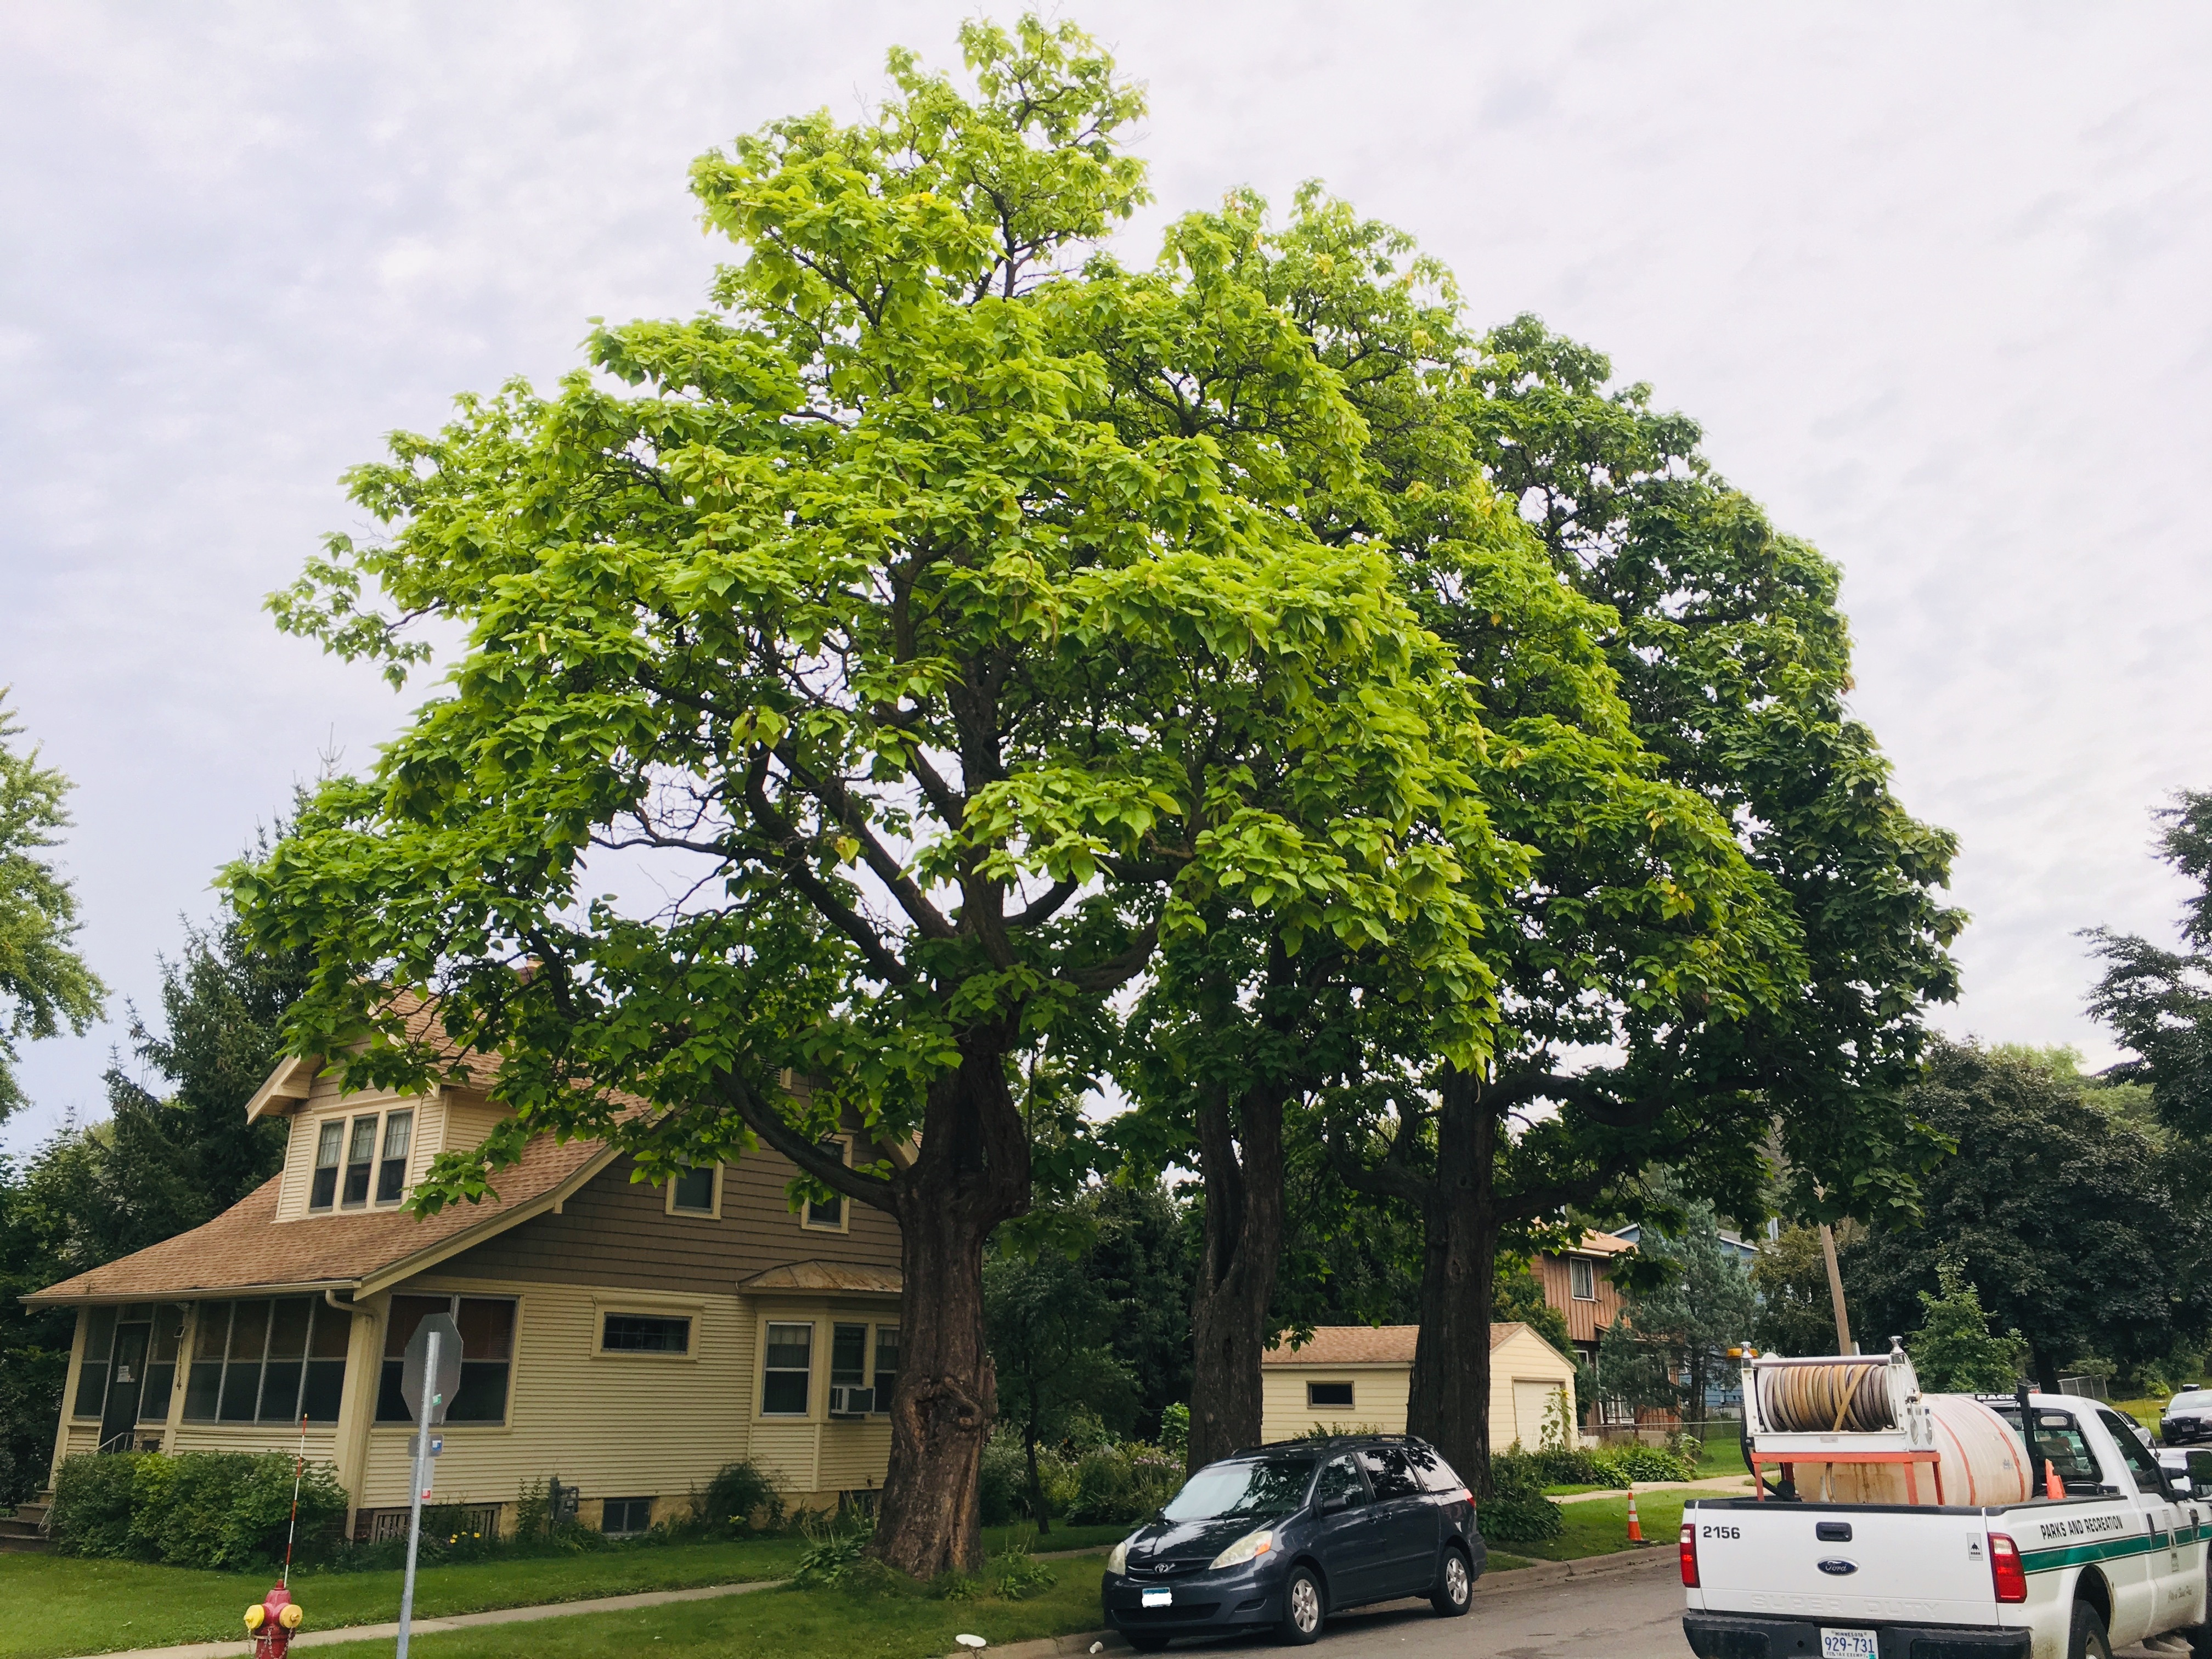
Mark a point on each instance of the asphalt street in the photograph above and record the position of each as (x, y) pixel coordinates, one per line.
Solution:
(1636, 1614)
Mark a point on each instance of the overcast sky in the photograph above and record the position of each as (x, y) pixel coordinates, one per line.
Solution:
(1938, 282)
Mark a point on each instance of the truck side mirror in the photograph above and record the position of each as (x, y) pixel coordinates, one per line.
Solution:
(2200, 1473)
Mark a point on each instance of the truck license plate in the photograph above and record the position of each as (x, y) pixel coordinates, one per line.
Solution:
(1851, 1644)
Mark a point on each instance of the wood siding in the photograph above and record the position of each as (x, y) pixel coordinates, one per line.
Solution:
(1586, 1321)
(617, 1231)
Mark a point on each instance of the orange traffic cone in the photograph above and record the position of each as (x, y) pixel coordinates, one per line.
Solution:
(1635, 1528)
(2052, 1486)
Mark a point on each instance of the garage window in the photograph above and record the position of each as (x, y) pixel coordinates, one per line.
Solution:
(1337, 1394)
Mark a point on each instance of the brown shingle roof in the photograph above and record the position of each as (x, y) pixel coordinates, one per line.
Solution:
(1365, 1345)
(245, 1248)
(795, 1276)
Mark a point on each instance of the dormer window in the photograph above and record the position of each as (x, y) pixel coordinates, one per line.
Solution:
(360, 1157)
(392, 1171)
(328, 1139)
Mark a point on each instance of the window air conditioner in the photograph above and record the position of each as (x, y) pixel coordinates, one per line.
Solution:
(846, 1401)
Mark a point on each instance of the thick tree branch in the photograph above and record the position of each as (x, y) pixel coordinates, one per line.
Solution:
(772, 1126)
(1119, 968)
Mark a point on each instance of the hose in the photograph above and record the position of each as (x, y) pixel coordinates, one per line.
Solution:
(1850, 1396)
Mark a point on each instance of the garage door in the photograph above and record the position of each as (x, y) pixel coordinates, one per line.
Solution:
(1531, 1402)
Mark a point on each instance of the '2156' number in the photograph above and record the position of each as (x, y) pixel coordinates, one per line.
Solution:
(1720, 1532)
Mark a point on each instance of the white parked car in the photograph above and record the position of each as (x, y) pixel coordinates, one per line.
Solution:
(2067, 1547)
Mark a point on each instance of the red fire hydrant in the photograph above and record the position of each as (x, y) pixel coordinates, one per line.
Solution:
(271, 1622)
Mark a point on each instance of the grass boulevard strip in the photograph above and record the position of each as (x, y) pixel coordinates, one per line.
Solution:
(59, 1608)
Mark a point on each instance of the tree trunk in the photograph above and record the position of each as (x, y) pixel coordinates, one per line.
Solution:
(1240, 1158)
(1448, 1401)
(2046, 1369)
(1039, 1511)
(971, 1173)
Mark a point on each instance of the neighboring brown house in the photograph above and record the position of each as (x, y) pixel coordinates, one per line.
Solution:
(626, 1338)
(1580, 1286)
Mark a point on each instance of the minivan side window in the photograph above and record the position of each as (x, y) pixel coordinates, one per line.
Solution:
(1338, 1478)
(1434, 1474)
(1389, 1473)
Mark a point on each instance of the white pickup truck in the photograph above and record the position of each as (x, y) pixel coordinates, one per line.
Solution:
(2119, 1558)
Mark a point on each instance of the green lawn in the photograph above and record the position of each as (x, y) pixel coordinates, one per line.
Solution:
(786, 1623)
(1600, 1528)
(60, 1607)
(2145, 1412)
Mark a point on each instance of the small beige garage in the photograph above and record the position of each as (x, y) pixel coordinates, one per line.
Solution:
(1357, 1377)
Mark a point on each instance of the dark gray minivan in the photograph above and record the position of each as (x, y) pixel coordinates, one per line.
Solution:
(1280, 1537)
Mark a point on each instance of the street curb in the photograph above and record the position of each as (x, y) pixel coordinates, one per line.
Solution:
(1529, 1577)
(386, 1633)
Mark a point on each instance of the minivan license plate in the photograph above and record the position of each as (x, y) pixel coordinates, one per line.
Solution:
(1851, 1644)
(1166, 1599)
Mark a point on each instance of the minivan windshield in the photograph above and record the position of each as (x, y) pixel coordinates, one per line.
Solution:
(1258, 1486)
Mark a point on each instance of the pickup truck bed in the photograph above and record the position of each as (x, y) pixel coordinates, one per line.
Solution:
(1794, 1580)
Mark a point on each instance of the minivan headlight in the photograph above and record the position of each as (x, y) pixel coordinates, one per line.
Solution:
(1118, 1562)
(1251, 1544)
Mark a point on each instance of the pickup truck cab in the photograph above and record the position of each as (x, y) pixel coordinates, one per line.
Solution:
(2119, 1558)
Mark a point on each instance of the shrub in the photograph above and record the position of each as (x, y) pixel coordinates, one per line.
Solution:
(831, 1554)
(1004, 1480)
(1649, 1463)
(740, 1499)
(1518, 1512)
(1122, 1483)
(92, 1508)
(227, 1509)
(1175, 1430)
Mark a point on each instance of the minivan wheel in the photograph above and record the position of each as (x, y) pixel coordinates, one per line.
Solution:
(1455, 1591)
(1302, 1608)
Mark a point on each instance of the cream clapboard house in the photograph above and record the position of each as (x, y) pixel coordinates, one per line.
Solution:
(1360, 1375)
(627, 1339)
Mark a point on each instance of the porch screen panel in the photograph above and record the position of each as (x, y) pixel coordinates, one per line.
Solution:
(288, 1359)
(161, 1363)
(326, 1358)
(241, 1373)
(204, 1383)
(487, 1350)
(92, 1376)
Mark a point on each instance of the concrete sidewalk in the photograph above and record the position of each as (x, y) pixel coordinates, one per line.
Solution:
(1733, 1483)
(323, 1638)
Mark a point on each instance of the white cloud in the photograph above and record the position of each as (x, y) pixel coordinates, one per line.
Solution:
(1933, 280)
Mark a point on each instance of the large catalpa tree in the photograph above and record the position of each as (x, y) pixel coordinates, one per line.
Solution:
(872, 616)
(1631, 905)
(1654, 589)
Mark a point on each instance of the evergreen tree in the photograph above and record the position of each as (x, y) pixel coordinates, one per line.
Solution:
(44, 985)
(1703, 1306)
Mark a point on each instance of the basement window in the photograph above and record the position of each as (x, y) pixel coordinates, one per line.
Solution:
(626, 1517)
(1329, 1394)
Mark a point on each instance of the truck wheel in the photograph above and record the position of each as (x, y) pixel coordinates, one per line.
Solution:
(2087, 1640)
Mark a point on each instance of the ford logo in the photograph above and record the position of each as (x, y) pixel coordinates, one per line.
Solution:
(1836, 1569)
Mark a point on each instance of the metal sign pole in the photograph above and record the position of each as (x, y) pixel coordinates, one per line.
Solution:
(415, 1491)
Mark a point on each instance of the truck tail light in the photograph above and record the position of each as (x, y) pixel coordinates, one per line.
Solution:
(1690, 1557)
(2005, 1569)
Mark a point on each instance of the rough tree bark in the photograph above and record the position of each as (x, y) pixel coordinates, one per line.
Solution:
(1449, 1402)
(1241, 1158)
(970, 1172)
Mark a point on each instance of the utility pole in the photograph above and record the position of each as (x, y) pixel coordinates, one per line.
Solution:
(1844, 1343)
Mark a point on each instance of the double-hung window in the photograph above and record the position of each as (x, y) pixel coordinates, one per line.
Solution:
(362, 1159)
(827, 1214)
(487, 1325)
(886, 1365)
(391, 1169)
(788, 1369)
(691, 1191)
(1582, 1278)
(330, 1141)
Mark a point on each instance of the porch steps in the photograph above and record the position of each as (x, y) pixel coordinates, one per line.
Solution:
(25, 1533)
